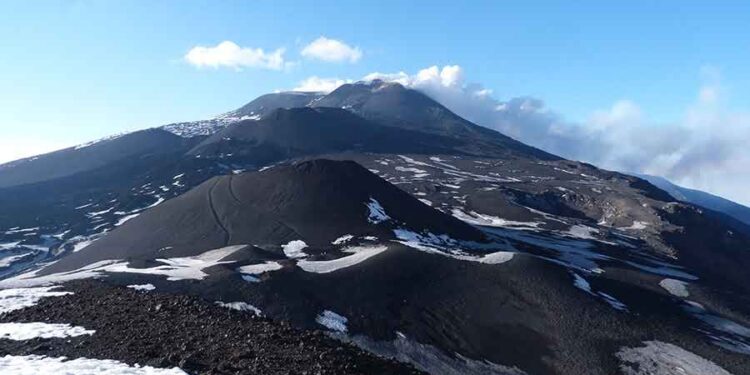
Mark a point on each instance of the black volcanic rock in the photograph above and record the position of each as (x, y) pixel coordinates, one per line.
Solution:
(296, 132)
(166, 331)
(315, 201)
(265, 104)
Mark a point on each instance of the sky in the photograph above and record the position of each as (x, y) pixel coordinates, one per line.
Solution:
(642, 86)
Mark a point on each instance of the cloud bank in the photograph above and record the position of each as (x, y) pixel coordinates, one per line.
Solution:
(331, 50)
(707, 148)
(228, 54)
(317, 84)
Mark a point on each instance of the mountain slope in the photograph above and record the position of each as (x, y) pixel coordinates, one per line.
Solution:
(701, 198)
(67, 162)
(329, 244)
(395, 105)
(289, 133)
(265, 104)
(315, 202)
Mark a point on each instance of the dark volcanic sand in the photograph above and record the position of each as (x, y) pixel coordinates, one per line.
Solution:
(162, 330)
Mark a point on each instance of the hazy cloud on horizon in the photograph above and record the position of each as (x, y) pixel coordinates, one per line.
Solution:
(706, 149)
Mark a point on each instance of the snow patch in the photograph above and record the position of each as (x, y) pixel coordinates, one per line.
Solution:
(35, 364)
(660, 358)
(30, 279)
(9, 245)
(28, 331)
(88, 144)
(187, 268)
(376, 212)
(142, 287)
(125, 219)
(332, 321)
(581, 283)
(676, 288)
(418, 173)
(240, 306)
(81, 242)
(175, 269)
(293, 249)
(582, 232)
(16, 299)
(25, 230)
(257, 269)
(425, 201)
(476, 218)
(359, 255)
(446, 246)
(637, 225)
(342, 240)
(8, 261)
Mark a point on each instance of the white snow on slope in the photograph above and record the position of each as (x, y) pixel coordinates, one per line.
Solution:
(159, 200)
(8, 261)
(26, 231)
(16, 299)
(676, 288)
(99, 213)
(332, 321)
(376, 212)
(637, 225)
(583, 232)
(661, 358)
(418, 173)
(359, 254)
(9, 245)
(123, 220)
(198, 128)
(497, 257)
(293, 249)
(187, 268)
(476, 218)
(425, 201)
(30, 279)
(446, 246)
(28, 331)
(81, 242)
(342, 240)
(109, 138)
(414, 162)
(35, 365)
(260, 268)
(581, 283)
(142, 287)
(240, 306)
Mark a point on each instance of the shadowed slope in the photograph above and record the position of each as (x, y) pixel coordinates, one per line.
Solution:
(315, 201)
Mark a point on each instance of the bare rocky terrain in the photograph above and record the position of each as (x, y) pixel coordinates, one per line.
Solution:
(164, 331)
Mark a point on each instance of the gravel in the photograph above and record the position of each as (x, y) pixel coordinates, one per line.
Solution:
(163, 330)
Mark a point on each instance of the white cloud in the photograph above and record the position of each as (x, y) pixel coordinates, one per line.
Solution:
(228, 54)
(705, 149)
(318, 84)
(331, 50)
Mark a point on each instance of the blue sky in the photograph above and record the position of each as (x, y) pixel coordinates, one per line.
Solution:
(72, 71)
